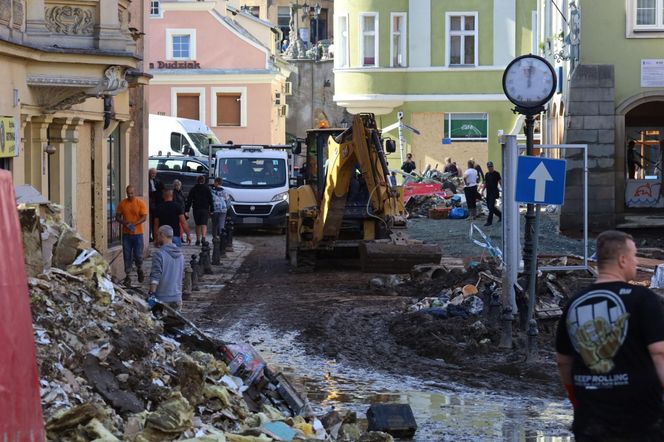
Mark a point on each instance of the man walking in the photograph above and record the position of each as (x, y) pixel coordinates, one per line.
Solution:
(167, 270)
(610, 351)
(171, 213)
(200, 198)
(470, 189)
(219, 207)
(131, 214)
(491, 182)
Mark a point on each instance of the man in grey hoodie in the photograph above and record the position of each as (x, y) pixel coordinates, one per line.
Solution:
(167, 269)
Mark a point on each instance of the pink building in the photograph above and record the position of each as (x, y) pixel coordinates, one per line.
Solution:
(214, 63)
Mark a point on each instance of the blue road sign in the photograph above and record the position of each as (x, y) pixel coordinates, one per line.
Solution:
(540, 180)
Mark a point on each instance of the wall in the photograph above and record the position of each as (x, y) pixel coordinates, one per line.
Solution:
(591, 121)
(626, 53)
(313, 90)
(427, 148)
(239, 55)
(84, 201)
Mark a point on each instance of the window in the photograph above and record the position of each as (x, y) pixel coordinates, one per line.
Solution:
(229, 106)
(369, 39)
(283, 20)
(398, 41)
(650, 14)
(255, 11)
(155, 10)
(341, 55)
(188, 106)
(461, 39)
(181, 44)
(228, 109)
(466, 126)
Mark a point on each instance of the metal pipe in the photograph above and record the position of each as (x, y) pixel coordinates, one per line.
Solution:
(532, 278)
(511, 219)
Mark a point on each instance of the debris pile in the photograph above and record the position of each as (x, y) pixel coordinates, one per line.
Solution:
(111, 370)
(455, 312)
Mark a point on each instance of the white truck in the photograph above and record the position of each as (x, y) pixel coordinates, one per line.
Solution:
(179, 136)
(256, 179)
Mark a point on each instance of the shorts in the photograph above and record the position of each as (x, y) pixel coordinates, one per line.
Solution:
(201, 216)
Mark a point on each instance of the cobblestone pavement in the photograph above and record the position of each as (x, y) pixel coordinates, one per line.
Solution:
(209, 286)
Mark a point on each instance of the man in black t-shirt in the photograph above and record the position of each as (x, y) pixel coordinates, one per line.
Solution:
(491, 182)
(610, 351)
(171, 213)
(409, 165)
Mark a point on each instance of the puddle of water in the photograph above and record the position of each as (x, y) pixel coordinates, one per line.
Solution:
(444, 412)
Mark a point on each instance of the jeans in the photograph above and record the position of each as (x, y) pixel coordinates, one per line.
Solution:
(132, 251)
(491, 204)
(218, 222)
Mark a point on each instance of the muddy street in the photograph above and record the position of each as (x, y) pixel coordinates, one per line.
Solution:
(343, 342)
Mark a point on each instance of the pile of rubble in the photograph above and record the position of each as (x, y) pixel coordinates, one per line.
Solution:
(111, 370)
(456, 312)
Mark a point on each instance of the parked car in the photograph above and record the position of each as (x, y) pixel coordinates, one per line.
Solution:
(185, 169)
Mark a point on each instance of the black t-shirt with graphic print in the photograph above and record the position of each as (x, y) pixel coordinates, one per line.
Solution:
(607, 329)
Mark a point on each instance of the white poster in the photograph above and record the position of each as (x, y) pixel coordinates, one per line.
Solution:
(643, 193)
(652, 73)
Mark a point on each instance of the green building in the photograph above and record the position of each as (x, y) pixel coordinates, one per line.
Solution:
(440, 63)
(611, 55)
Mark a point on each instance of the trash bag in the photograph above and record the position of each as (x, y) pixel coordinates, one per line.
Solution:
(473, 305)
(458, 213)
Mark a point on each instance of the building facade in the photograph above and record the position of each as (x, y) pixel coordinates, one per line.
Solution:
(611, 55)
(215, 63)
(438, 62)
(313, 18)
(65, 105)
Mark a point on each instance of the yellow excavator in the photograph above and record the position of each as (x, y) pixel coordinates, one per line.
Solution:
(347, 206)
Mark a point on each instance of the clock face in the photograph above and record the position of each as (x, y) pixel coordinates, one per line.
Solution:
(529, 81)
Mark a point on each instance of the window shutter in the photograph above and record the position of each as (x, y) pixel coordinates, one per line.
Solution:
(229, 109)
(188, 106)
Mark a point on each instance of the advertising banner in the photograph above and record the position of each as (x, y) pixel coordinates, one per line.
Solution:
(8, 137)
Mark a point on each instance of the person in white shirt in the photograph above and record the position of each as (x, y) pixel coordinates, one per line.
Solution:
(470, 189)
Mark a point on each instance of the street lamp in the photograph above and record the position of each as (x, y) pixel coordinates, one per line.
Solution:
(314, 12)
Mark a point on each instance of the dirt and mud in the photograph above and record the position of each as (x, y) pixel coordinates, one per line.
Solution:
(342, 317)
(338, 315)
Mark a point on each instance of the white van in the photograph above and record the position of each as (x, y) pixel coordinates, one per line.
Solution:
(256, 179)
(179, 136)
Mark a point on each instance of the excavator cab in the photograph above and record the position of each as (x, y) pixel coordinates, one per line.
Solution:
(347, 206)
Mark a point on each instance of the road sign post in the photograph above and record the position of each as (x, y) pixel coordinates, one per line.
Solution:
(538, 181)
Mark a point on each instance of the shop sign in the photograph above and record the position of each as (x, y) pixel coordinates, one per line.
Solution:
(175, 65)
(643, 193)
(8, 137)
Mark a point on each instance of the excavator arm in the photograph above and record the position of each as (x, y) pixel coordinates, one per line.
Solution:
(324, 220)
(360, 149)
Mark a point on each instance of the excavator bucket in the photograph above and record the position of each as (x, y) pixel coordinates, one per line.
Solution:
(396, 256)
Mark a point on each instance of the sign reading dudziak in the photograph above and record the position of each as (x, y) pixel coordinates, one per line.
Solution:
(176, 65)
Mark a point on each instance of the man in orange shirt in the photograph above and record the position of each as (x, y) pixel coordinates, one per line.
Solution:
(131, 214)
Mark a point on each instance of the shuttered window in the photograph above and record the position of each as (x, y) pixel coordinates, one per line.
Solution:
(188, 106)
(229, 109)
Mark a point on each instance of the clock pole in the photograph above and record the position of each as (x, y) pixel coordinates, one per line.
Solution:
(530, 242)
(529, 81)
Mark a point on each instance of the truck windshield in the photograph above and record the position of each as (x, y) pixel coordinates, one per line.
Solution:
(201, 141)
(259, 173)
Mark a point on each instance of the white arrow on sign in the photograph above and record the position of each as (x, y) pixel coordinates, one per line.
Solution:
(541, 175)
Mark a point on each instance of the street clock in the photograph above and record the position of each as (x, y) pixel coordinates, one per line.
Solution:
(529, 82)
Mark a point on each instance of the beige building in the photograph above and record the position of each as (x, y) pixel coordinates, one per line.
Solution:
(313, 27)
(71, 105)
